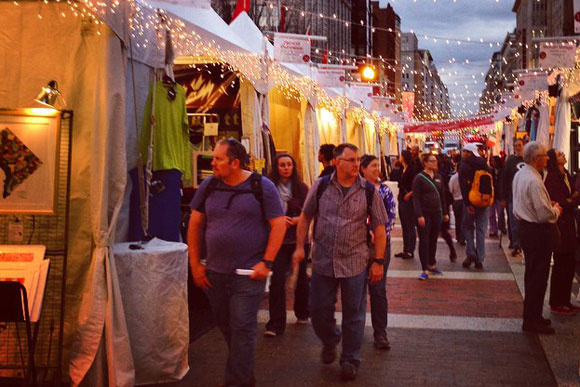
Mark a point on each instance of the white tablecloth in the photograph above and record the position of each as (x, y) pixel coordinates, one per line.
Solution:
(153, 285)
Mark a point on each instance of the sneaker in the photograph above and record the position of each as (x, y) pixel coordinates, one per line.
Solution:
(517, 252)
(400, 255)
(468, 261)
(435, 271)
(538, 327)
(328, 354)
(563, 310)
(348, 371)
(382, 342)
(409, 256)
(453, 257)
(301, 321)
(270, 333)
(423, 276)
(478, 265)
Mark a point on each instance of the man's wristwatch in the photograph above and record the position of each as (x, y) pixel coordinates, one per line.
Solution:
(269, 264)
(380, 261)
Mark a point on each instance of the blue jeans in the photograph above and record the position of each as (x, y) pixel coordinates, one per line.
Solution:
(323, 291)
(407, 217)
(496, 218)
(514, 227)
(379, 302)
(474, 229)
(234, 301)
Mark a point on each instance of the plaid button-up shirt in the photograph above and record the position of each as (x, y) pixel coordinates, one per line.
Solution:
(340, 238)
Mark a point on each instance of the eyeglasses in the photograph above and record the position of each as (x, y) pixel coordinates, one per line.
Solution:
(353, 160)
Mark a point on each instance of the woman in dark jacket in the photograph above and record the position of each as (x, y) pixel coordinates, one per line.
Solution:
(559, 185)
(293, 193)
(406, 213)
(430, 211)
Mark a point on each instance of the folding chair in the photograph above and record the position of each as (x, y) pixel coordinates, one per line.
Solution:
(15, 309)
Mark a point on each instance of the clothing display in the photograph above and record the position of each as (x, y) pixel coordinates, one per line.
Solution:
(171, 148)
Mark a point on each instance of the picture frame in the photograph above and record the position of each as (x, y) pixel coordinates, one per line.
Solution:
(29, 161)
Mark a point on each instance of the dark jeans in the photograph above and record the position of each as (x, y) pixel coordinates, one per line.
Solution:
(379, 302)
(234, 301)
(447, 237)
(277, 295)
(407, 217)
(515, 226)
(458, 214)
(536, 241)
(353, 296)
(562, 278)
(428, 238)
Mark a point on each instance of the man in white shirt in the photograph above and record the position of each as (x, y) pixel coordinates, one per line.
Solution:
(538, 233)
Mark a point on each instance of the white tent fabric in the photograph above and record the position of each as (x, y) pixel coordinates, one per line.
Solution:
(563, 123)
(310, 142)
(90, 72)
(543, 135)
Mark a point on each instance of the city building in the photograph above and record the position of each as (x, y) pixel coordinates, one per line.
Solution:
(531, 23)
(302, 17)
(500, 76)
(420, 76)
(386, 47)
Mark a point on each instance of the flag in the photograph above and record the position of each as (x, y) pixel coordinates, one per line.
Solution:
(325, 56)
(241, 6)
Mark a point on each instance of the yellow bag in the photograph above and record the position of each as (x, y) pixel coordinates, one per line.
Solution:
(481, 193)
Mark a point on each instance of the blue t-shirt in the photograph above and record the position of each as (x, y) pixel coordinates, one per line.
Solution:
(236, 237)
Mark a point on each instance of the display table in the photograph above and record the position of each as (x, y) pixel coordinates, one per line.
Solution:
(153, 284)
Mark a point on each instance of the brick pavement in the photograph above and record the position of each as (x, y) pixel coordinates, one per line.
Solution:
(474, 353)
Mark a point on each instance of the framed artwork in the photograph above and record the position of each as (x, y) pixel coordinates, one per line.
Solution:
(29, 160)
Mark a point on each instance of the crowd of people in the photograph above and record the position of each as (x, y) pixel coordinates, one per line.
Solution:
(247, 227)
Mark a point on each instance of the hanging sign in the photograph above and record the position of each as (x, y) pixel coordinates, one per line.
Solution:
(330, 77)
(557, 55)
(577, 16)
(449, 125)
(529, 83)
(360, 92)
(210, 129)
(381, 104)
(292, 49)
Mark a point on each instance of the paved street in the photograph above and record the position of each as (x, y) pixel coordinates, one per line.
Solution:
(459, 329)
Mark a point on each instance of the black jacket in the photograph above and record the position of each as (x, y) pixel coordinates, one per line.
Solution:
(512, 165)
(467, 169)
(406, 181)
(425, 197)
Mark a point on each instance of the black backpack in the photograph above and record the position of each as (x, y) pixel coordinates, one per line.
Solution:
(256, 190)
(369, 193)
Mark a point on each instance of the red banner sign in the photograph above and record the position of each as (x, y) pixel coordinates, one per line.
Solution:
(449, 125)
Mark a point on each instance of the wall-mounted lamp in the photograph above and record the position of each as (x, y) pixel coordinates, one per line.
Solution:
(49, 95)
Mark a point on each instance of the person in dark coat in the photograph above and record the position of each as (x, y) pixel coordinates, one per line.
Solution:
(559, 185)
(406, 212)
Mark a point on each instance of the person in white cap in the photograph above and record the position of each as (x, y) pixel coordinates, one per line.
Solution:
(474, 218)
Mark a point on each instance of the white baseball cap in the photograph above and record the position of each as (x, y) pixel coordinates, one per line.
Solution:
(472, 147)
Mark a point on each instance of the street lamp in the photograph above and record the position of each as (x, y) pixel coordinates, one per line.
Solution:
(368, 73)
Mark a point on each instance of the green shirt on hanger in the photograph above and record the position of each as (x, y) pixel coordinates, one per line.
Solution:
(171, 146)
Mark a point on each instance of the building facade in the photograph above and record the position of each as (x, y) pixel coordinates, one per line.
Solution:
(302, 17)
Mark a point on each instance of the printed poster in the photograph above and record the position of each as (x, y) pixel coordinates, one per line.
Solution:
(557, 55)
(292, 48)
(330, 77)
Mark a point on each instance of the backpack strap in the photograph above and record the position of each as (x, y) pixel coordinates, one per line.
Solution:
(433, 184)
(256, 186)
(369, 193)
(322, 186)
(211, 187)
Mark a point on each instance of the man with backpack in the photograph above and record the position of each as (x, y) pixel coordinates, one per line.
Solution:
(347, 209)
(476, 183)
(237, 215)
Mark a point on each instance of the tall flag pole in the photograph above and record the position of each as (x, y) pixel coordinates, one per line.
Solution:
(241, 6)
